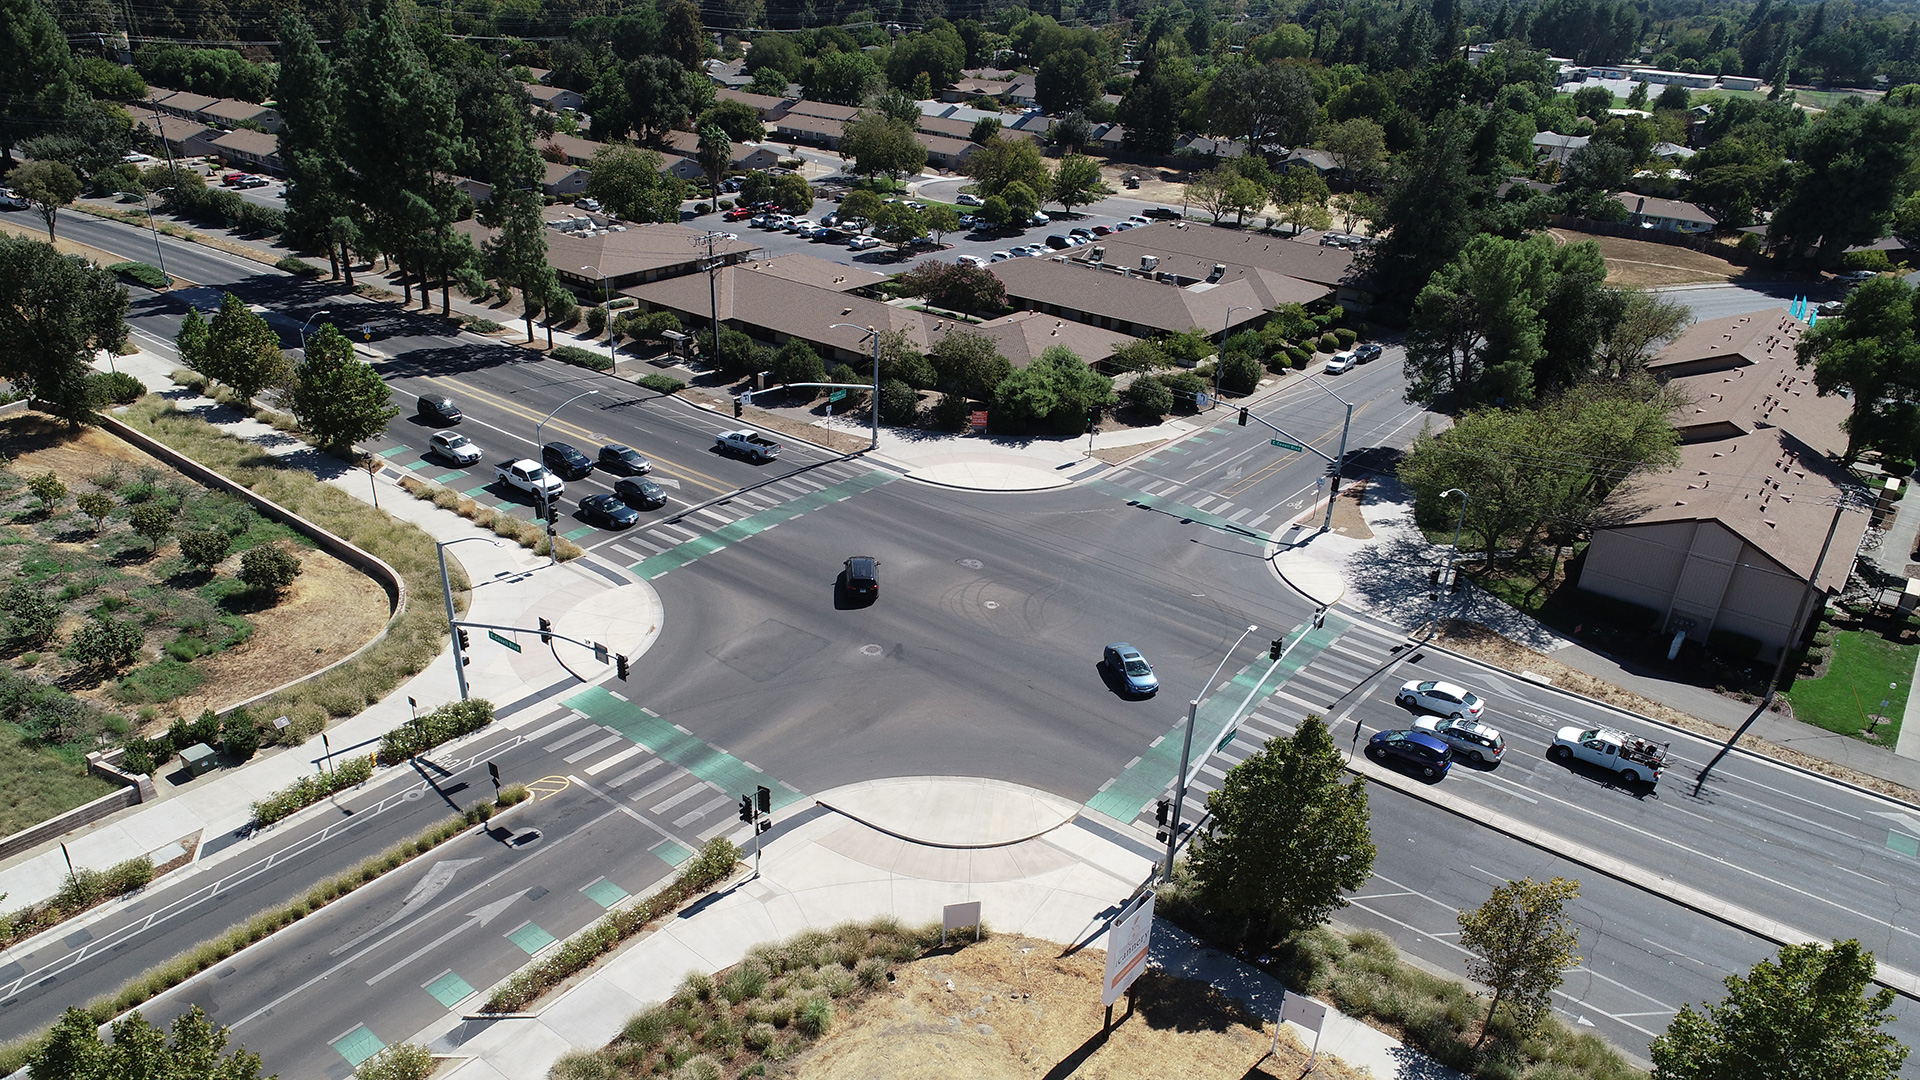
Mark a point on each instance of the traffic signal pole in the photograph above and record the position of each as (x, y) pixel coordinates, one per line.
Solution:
(1336, 464)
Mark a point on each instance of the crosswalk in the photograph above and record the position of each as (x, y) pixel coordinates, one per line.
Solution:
(1201, 500)
(683, 788)
(1330, 663)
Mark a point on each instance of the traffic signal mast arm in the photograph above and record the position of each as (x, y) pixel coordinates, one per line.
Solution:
(523, 630)
(1246, 415)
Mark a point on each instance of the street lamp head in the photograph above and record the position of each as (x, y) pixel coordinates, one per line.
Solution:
(1453, 491)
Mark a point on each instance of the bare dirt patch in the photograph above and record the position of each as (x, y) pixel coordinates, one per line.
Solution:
(1347, 519)
(1156, 185)
(1009, 1015)
(331, 610)
(1643, 264)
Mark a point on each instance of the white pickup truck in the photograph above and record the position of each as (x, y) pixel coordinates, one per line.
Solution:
(748, 444)
(1634, 758)
(531, 477)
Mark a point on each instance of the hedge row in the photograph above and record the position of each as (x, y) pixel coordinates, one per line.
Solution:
(82, 890)
(308, 790)
(714, 863)
(586, 358)
(423, 733)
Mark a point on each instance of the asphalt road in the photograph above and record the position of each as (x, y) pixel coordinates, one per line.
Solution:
(986, 635)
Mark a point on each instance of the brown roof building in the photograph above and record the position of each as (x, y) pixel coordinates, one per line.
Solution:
(231, 112)
(1123, 300)
(822, 109)
(1206, 245)
(244, 146)
(814, 130)
(628, 255)
(1728, 539)
(768, 106)
(184, 138)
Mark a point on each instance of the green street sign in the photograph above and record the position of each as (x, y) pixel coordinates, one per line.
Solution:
(1282, 444)
(509, 644)
(837, 395)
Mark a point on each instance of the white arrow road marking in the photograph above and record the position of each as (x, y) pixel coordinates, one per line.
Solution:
(436, 879)
(475, 919)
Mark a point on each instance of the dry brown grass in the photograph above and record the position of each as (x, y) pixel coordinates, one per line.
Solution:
(1483, 644)
(1012, 1016)
(1644, 264)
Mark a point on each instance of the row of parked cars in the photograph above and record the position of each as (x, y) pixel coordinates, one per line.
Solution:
(631, 493)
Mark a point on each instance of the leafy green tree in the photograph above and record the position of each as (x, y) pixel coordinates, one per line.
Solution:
(899, 403)
(968, 362)
(240, 735)
(38, 80)
(96, 505)
(939, 54)
(898, 224)
(56, 312)
(204, 548)
(1077, 182)
(269, 568)
(152, 519)
(630, 184)
(1068, 79)
(881, 146)
(1287, 834)
(796, 362)
(48, 489)
(841, 78)
(1004, 160)
(1358, 147)
(242, 350)
(1071, 134)
(1240, 373)
(190, 344)
(1149, 396)
(1262, 103)
(137, 1050)
(1641, 321)
(940, 219)
(319, 206)
(1521, 941)
(738, 119)
(1439, 200)
(32, 617)
(1736, 178)
(896, 104)
(769, 81)
(1150, 111)
(1022, 202)
(682, 37)
(1056, 392)
(1873, 356)
(1807, 1014)
(1846, 180)
(48, 185)
(952, 285)
(861, 204)
(107, 643)
(337, 397)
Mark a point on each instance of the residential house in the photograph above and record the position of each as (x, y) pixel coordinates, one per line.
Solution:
(1669, 214)
(741, 156)
(968, 89)
(1192, 252)
(1109, 139)
(1022, 336)
(561, 181)
(1319, 161)
(234, 113)
(1035, 124)
(555, 99)
(178, 103)
(823, 110)
(1020, 91)
(182, 138)
(1671, 151)
(946, 153)
(1213, 149)
(251, 149)
(729, 74)
(1137, 302)
(1728, 540)
(770, 108)
(1555, 147)
(539, 75)
(809, 129)
(573, 149)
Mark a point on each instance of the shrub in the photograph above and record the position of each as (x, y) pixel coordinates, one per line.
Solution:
(1329, 342)
(48, 489)
(1872, 259)
(204, 548)
(619, 302)
(814, 1018)
(1240, 373)
(1345, 337)
(1186, 388)
(1148, 395)
(586, 358)
(563, 311)
(449, 721)
(701, 208)
(484, 326)
(151, 519)
(140, 274)
(899, 403)
(106, 643)
(596, 320)
(308, 790)
(269, 568)
(240, 735)
(298, 267)
(664, 384)
(115, 387)
(407, 1061)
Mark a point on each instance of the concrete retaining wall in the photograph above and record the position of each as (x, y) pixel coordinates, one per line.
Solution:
(73, 819)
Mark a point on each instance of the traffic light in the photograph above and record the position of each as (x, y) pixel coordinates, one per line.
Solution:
(1273, 650)
(493, 770)
(746, 808)
(1160, 811)
(764, 798)
(739, 408)
(546, 632)
(1319, 618)
(465, 641)
(620, 666)
(1243, 416)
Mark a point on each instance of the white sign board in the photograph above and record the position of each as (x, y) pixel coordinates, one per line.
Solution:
(955, 916)
(1304, 1011)
(1127, 939)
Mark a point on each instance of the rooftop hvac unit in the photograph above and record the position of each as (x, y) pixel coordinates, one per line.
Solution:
(1149, 262)
(1219, 271)
(1098, 254)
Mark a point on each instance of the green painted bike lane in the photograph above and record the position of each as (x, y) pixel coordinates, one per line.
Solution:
(1120, 491)
(1152, 772)
(701, 546)
(677, 747)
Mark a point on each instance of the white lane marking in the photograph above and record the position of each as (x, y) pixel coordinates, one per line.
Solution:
(573, 738)
(593, 748)
(635, 774)
(629, 752)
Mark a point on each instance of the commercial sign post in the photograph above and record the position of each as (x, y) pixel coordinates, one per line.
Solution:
(1306, 1012)
(1127, 939)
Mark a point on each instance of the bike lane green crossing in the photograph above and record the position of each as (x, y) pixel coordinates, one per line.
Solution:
(700, 546)
(676, 745)
(1126, 795)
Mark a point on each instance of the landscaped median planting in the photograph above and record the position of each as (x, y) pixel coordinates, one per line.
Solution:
(423, 733)
(714, 863)
(308, 790)
(528, 534)
(84, 889)
(193, 961)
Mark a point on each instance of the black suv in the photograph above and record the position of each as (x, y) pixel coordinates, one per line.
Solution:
(565, 461)
(641, 494)
(1366, 352)
(1161, 213)
(863, 577)
(438, 410)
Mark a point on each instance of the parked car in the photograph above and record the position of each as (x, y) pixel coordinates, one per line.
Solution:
(251, 182)
(438, 409)
(1000, 256)
(1443, 698)
(1125, 225)
(1039, 219)
(12, 200)
(623, 459)
(1469, 739)
(1855, 277)
(863, 243)
(800, 226)
(639, 493)
(1366, 353)
(453, 446)
(1139, 220)
(822, 232)
(1425, 752)
(964, 199)
(862, 578)
(591, 206)
(1058, 242)
(1831, 308)
(1162, 213)
(1101, 230)
(1340, 363)
(566, 462)
(738, 213)
(1125, 663)
(607, 512)
(970, 260)
(1083, 232)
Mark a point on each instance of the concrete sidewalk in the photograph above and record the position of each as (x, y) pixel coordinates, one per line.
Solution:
(1042, 868)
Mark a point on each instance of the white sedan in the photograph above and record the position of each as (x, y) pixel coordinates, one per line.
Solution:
(1442, 698)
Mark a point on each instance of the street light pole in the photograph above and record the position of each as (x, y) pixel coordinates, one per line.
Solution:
(1220, 358)
(546, 504)
(1186, 755)
(873, 438)
(446, 591)
(303, 330)
(146, 201)
(606, 290)
(1447, 574)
